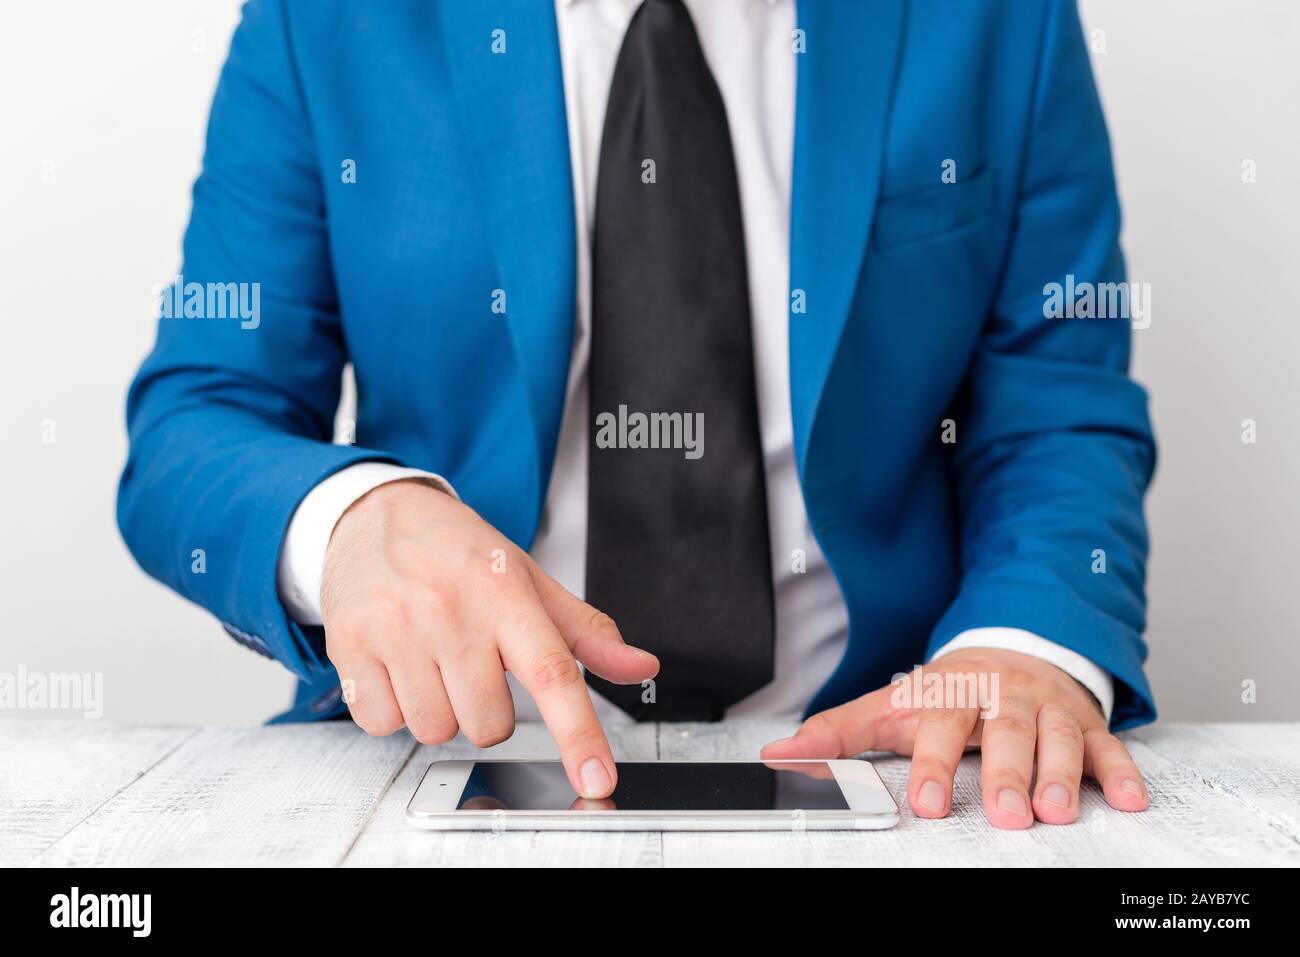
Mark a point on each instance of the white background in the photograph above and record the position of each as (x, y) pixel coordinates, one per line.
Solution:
(116, 95)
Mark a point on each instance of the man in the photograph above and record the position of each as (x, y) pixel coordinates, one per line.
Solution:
(726, 316)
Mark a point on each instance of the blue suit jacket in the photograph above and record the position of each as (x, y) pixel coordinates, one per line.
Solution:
(913, 301)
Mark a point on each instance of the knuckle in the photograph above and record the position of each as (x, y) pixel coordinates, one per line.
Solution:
(1006, 776)
(1016, 701)
(1117, 754)
(601, 625)
(1019, 677)
(427, 723)
(439, 605)
(343, 639)
(345, 627)
(586, 739)
(931, 765)
(434, 730)
(377, 725)
(980, 664)
(1062, 725)
(949, 719)
(1105, 745)
(1010, 724)
(554, 671)
(816, 722)
(490, 730)
(822, 726)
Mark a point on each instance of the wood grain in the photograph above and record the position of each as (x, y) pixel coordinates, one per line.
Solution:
(55, 774)
(91, 793)
(242, 797)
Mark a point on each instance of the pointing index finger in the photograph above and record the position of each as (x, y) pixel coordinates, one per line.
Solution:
(536, 654)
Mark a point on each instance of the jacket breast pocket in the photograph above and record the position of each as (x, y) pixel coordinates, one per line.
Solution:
(934, 211)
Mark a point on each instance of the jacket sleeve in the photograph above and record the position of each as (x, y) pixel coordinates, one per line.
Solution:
(230, 418)
(1054, 448)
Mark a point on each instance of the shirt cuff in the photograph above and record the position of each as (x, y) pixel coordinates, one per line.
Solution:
(1086, 672)
(302, 557)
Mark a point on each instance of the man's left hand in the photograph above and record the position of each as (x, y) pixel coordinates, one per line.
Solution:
(1042, 720)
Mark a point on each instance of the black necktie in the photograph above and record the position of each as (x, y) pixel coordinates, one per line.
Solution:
(677, 541)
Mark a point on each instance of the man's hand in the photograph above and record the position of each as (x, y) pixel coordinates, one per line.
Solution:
(1045, 720)
(426, 607)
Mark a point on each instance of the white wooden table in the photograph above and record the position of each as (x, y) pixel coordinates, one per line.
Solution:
(87, 793)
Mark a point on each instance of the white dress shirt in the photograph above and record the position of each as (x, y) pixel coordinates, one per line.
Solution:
(747, 44)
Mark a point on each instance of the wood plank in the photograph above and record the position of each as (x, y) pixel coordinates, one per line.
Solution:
(58, 772)
(89, 793)
(388, 840)
(292, 795)
(1273, 742)
(1189, 823)
(1256, 765)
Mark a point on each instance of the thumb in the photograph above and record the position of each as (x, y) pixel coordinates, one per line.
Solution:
(592, 635)
(836, 733)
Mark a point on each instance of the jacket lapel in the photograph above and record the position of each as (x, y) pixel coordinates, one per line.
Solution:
(511, 104)
(845, 80)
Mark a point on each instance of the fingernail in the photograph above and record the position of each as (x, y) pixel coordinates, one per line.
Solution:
(771, 744)
(595, 779)
(1056, 795)
(1011, 802)
(930, 796)
(1131, 787)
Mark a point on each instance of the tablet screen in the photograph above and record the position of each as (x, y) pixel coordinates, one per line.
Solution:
(655, 786)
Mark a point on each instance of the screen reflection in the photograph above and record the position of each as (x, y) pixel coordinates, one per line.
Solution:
(652, 786)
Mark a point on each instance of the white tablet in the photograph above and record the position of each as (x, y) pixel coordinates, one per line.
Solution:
(655, 796)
